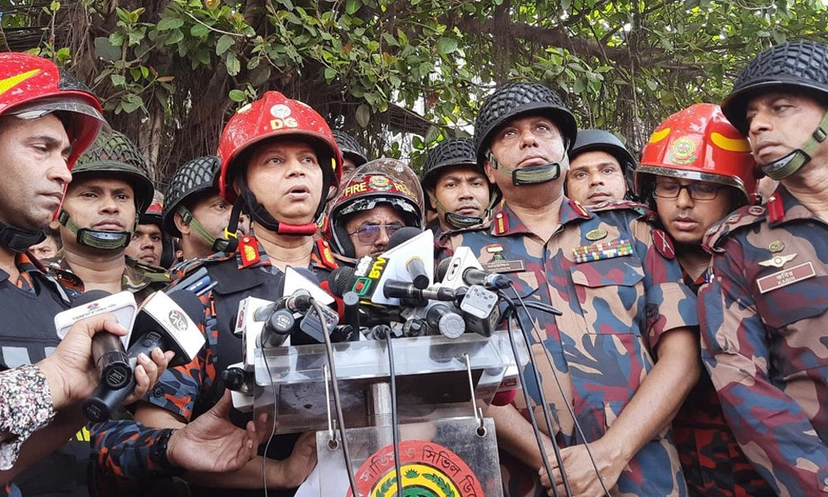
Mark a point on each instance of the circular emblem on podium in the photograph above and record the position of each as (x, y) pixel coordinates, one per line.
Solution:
(428, 470)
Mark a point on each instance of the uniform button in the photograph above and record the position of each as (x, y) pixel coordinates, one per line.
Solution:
(157, 392)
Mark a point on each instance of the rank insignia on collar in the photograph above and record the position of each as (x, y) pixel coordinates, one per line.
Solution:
(778, 260)
(249, 251)
(663, 244)
(596, 234)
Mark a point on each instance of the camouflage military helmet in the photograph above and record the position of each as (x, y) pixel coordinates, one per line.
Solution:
(798, 65)
(116, 156)
(518, 99)
(194, 177)
(350, 148)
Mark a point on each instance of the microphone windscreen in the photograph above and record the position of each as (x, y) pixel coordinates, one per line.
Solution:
(402, 236)
(190, 304)
(341, 280)
(89, 297)
(442, 269)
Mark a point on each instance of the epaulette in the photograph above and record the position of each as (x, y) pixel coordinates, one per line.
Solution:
(610, 205)
(744, 216)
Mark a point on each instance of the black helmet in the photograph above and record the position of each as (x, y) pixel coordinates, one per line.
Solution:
(452, 152)
(196, 176)
(798, 64)
(516, 99)
(350, 148)
(114, 154)
(590, 140)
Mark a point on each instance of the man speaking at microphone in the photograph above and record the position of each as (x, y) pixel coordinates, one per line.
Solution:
(619, 287)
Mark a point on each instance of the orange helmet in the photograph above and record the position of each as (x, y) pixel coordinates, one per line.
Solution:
(31, 87)
(698, 143)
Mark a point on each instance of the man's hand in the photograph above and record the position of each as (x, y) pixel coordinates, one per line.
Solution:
(293, 471)
(584, 479)
(71, 374)
(211, 443)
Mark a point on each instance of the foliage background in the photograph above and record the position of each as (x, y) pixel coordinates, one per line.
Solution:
(397, 75)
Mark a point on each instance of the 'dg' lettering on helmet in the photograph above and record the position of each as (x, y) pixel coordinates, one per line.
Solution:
(381, 181)
(275, 116)
(112, 156)
(798, 67)
(698, 143)
(32, 87)
(515, 100)
(193, 178)
(591, 140)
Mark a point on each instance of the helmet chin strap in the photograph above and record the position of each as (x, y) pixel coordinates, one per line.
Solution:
(19, 240)
(260, 215)
(454, 220)
(102, 240)
(785, 166)
(532, 175)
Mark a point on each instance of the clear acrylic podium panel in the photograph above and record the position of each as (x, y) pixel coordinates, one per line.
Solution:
(431, 376)
(440, 457)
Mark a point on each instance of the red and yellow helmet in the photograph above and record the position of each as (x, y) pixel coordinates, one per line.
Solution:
(31, 87)
(275, 116)
(698, 143)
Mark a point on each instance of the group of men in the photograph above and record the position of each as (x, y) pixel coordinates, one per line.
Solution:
(688, 359)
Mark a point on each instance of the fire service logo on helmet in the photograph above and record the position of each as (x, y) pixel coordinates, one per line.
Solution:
(280, 111)
(426, 468)
(683, 151)
(380, 183)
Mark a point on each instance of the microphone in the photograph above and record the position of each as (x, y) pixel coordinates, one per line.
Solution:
(459, 270)
(480, 310)
(414, 265)
(402, 236)
(108, 352)
(441, 317)
(405, 290)
(165, 322)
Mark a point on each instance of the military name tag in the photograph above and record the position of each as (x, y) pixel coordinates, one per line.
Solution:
(785, 277)
(504, 266)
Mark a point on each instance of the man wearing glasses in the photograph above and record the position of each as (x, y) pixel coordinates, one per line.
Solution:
(383, 197)
(694, 171)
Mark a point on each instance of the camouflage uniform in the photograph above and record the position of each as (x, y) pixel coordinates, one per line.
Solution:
(125, 448)
(619, 287)
(140, 278)
(762, 341)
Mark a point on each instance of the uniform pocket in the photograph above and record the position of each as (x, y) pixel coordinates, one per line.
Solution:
(610, 293)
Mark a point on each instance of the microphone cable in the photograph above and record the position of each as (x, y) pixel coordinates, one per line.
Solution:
(395, 433)
(340, 418)
(569, 408)
(547, 416)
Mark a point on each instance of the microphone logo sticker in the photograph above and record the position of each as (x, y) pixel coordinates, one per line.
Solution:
(178, 320)
(93, 306)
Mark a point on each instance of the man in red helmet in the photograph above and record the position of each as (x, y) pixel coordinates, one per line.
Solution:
(694, 171)
(47, 120)
(279, 161)
(763, 311)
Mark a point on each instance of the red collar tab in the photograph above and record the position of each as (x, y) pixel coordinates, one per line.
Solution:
(249, 251)
(663, 244)
(326, 257)
(776, 208)
(501, 223)
(579, 209)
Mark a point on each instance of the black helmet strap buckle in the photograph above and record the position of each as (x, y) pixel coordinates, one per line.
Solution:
(19, 240)
(791, 163)
(532, 175)
(102, 240)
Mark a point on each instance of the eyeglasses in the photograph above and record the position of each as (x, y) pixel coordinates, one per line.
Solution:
(370, 233)
(697, 191)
